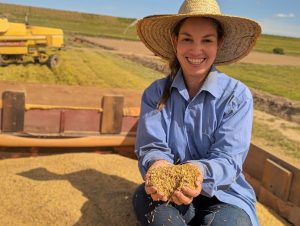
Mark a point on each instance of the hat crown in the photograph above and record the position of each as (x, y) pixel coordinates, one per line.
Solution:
(199, 7)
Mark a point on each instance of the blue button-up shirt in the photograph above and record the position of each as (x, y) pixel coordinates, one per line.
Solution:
(211, 130)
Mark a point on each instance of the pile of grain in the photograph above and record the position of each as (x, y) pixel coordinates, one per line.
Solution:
(75, 190)
(171, 178)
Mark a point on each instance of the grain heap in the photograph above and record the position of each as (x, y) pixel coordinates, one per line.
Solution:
(75, 189)
(170, 178)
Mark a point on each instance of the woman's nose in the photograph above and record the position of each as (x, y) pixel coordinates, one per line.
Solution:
(197, 47)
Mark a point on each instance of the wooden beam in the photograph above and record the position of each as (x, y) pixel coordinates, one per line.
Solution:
(277, 179)
(111, 120)
(13, 107)
(90, 141)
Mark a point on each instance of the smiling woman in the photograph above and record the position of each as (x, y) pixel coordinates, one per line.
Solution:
(197, 116)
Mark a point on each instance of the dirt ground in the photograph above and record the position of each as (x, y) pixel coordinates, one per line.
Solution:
(75, 189)
(289, 130)
(64, 95)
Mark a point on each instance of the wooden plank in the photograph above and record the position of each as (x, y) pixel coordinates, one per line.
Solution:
(129, 124)
(0, 118)
(62, 121)
(253, 164)
(88, 141)
(82, 120)
(254, 167)
(13, 105)
(42, 121)
(285, 209)
(111, 121)
(277, 179)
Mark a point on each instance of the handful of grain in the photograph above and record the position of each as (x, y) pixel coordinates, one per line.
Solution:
(170, 178)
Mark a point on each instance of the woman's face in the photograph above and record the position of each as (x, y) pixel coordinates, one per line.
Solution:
(196, 46)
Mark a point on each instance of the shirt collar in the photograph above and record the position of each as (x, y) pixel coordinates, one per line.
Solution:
(211, 84)
(179, 84)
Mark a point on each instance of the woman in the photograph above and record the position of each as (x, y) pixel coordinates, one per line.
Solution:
(197, 115)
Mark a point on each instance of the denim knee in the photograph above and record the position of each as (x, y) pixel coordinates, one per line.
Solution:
(149, 212)
(225, 215)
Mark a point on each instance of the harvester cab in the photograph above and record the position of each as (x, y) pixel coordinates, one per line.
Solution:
(19, 41)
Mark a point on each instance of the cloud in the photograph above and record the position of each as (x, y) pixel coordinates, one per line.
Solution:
(285, 15)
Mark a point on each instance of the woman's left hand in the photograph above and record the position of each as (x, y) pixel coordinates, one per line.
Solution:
(185, 195)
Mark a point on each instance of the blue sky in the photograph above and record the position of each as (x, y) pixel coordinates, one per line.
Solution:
(278, 17)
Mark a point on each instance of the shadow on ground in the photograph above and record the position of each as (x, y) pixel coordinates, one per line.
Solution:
(109, 197)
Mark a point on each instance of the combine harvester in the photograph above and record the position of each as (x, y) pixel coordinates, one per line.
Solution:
(19, 41)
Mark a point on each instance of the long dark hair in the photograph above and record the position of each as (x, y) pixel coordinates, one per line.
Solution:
(174, 64)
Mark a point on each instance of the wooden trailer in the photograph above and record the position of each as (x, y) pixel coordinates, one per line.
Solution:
(113, 126)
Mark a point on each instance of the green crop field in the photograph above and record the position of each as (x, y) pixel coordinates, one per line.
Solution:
(71, 22)
(277, 80)
(267, 43)
(84, 66)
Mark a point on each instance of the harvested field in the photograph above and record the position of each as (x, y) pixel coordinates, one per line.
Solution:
(75, 189)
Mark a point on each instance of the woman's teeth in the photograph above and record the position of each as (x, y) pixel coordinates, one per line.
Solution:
(195, 61)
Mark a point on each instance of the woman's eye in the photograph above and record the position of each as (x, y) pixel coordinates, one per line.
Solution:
(186, 40)
(207, 40)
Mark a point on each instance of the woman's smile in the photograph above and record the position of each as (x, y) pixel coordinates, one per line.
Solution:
(195, 61)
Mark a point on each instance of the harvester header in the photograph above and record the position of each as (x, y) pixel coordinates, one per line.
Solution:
(17, 41)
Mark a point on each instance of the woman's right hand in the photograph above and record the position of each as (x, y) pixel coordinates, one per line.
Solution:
(149, 188)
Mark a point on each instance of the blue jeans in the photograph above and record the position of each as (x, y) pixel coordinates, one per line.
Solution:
(203, 211)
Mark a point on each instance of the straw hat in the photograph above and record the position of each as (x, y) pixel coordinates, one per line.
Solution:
(240, 33)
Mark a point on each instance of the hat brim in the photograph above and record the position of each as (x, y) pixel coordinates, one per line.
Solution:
(240, 35)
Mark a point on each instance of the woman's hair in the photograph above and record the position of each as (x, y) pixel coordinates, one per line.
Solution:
(174, 64)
